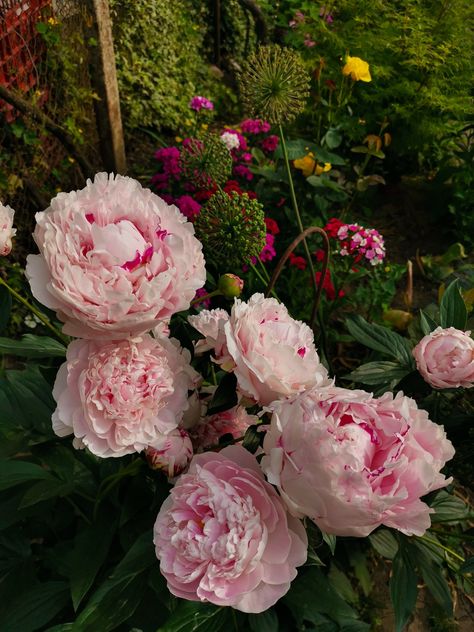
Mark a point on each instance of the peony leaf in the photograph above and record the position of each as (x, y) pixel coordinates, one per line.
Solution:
(33, 609)
(427, 324)
(190, 616)
(403, 589)
(434, 579)
(448, 508)
(452, 310)
(33, 347)
(378, 373)
(5, 307)
(225, 396)
(14, 472)
(265, 622)
(384, 543)
(467, 566)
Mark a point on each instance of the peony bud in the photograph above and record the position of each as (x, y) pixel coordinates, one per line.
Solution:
(230, 286)
(171, 453)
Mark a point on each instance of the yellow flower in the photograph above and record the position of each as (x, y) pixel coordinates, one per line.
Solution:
(309, 166)
(52, 21)
(320, 169)
(204, 126)
(357, 68)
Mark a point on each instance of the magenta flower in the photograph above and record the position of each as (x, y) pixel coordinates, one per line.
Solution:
(201, 103)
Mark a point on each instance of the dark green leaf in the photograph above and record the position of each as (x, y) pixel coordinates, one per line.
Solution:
(14, 472)
(265, 622)
(5, 307)
(427, 324)
(384, 543)
(90, 550)
(331, 541)
(332, 138)
(467, 566)
(50, 488)
(448, 508)
(190, 616)
(381, 339)
(433, 577)
(452, 310)
(378, 373)
(35, 608)
(403, 589)
(33, 347)
(252, 439)
(225, 396)
(342, 585)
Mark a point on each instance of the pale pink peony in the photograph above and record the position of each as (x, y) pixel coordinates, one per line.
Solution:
(120, 397)
(351, 462)
(274, 355)
(223, 534)
(208, 431)
(170, 453)
(210, 323)
(445, 358)
(114, 259)
(6, 229)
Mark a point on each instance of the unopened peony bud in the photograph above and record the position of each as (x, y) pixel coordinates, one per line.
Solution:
(6, 229)
(170, 453)
(230, 286)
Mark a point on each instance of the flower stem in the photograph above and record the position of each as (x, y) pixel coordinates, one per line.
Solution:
(262, 280)
(201, 299)
(445, 548)
(44, 319)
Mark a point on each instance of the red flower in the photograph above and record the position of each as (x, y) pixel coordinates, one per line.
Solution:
(298, 262)
(272, 226)
(328, 286)
(333, 226)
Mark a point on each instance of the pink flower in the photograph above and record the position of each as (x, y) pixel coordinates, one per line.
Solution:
(201, 103)
(351, 462)
(274, 355)
(270, 143)
(223, 535)
(6, 229)
(188, 206)
(208, 431)
(210, 323)
(268, 251)
(445, 358)
(243, 172)
(255, 126)
(119, 398)
(171, 453)
(114, 259)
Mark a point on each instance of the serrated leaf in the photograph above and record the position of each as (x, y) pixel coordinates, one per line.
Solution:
(452, 310)
(35, 608)
(14, 472)
(384, 543)
(427, 324)
(190, 616)
(31, 346)
(381, 339)
(403, 589)
(378, 373)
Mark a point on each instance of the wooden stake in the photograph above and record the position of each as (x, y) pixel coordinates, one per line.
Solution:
(104, 81)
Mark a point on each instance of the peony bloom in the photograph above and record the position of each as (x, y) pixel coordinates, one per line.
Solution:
(273, 354)
(210, 323)
(6, 229)
(445, 358)
(171, 453)
(114, 259)
(223, 535)
(209, 430)
(121, 397)
(351, 462)
(357, 68)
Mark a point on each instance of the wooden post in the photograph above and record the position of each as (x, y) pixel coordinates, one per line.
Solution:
(104, 82)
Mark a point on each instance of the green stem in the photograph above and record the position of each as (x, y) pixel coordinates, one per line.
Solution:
(262, 280)
(44, 319)
(445, 548)
(264, 270)
(201, 299)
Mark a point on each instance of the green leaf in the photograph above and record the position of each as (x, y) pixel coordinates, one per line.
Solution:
(190, 616)
(384, 543)
(467, 566)
(378, 373)
(44, 490)
(403, 589)
(5, 307)
(14, 472)
(225, 396)
(435, 582)
(252, 439)
(381, 339)
(264, 622)
(332, 138)
(448, 508)
(331, 541)
(33, 347)
(90, 551)
(452, 310)
(427, 324)
(35, 608)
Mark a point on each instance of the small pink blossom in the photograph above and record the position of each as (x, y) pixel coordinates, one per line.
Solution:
(224, 537)
(255, 126)
(170, 453)
(445, 358)
(201, 103)
(209, 430)
(230, 140)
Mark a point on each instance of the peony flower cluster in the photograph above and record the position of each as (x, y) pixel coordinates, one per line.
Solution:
(7, 232)
(357, 241)
(445, 358)
(114, 260)
(121, 397)
(351, 462)
(272, 355)
(223, 535)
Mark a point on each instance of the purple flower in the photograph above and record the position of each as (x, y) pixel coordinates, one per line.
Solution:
(188, 206)
(255, 126)
(201, 103)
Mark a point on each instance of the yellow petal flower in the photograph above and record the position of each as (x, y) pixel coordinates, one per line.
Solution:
(357, 68)
(306, 164)
(327, 166)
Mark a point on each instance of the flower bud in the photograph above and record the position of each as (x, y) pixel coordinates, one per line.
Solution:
(171, 453)
(230, 286)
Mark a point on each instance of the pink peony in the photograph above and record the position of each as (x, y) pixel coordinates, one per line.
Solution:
(210, 323)
(351, 462)
(274, 355)
(445, 358)
(6, 229)
(120, 397)
(171, 452)
(115, 259)
(223, 535)
(209, 430)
